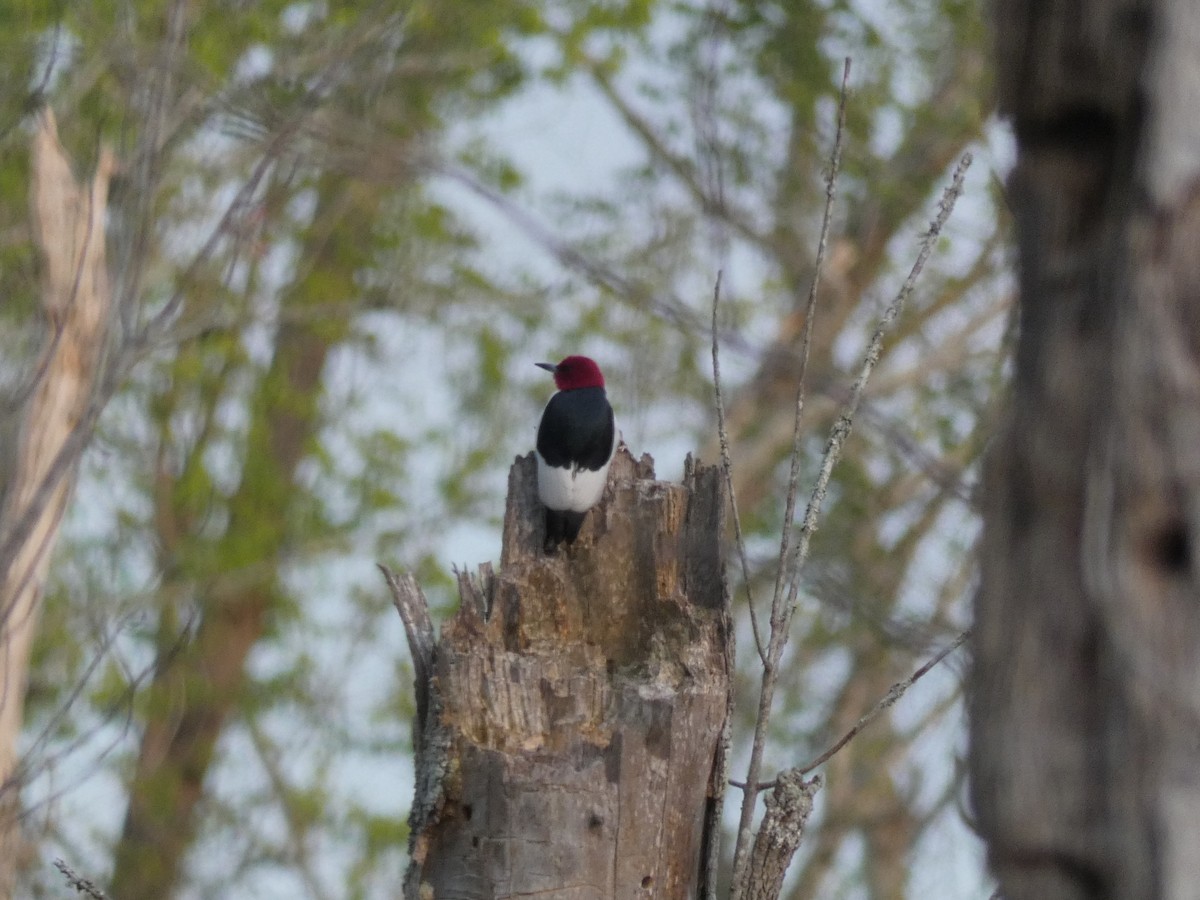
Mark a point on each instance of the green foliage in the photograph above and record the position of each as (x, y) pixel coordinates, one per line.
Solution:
(349, 370)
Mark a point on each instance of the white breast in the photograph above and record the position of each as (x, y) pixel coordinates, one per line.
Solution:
(575, 489)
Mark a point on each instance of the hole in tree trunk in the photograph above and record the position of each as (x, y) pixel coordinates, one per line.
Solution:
(1173, 548)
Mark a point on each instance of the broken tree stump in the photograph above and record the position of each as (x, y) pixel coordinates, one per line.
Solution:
(571, 739)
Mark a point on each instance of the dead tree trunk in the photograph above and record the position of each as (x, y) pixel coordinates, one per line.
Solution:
(69, 231)
(573, 734)
(1085, 706)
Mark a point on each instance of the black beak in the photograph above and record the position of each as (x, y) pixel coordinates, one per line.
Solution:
(549, 367)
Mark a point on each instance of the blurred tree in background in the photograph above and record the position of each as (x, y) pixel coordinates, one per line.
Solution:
(333, 267)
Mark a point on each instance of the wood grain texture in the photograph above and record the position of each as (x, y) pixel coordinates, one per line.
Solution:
(578, 702)
(1085, 696)
(787, 808)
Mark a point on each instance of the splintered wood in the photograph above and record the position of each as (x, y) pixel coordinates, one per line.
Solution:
(577, 705)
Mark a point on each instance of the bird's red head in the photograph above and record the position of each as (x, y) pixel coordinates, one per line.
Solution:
(575, 372)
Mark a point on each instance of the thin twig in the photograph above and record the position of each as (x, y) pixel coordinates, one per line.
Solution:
(841, 428)
(81, 885)
(894, 693)
(779, 617)
(833, 450)
(727, 468)
(805, 349)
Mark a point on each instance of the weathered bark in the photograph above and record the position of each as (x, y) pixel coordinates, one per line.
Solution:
(1085, 706)
(788, 807)
(69, 231)
(575, 737)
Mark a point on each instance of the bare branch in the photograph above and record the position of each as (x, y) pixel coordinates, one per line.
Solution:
(81, 885)
(896, 691)
(727, 468)
(792, 568)
(805, 348)
(841, 429)
(779, 618)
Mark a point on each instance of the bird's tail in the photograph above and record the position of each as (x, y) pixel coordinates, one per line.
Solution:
(562, 525)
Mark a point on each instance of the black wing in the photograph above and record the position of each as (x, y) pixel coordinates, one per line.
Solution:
(577, 428)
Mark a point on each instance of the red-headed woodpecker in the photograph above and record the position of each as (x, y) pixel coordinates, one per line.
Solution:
(575, 444)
